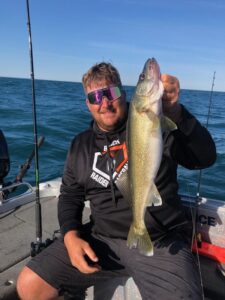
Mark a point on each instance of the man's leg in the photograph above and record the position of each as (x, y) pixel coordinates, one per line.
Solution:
(50, 272)
(171, 273)
(31, 286)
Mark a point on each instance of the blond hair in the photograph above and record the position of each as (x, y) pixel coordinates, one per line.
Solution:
(101, 71)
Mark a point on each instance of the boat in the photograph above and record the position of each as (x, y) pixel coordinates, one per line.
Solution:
(18, 230)
(18, 226)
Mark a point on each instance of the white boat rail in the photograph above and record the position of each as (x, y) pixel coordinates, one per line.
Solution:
(9, 200)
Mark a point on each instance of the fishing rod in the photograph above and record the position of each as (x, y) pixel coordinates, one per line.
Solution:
(207, 124)
(196, 237)
(37, 246)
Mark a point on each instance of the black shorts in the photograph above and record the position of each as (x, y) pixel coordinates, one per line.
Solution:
(171, 273)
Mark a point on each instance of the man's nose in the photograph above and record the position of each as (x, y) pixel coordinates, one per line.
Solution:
(105, 102)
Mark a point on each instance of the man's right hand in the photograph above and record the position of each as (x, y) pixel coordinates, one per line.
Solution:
(77, 249)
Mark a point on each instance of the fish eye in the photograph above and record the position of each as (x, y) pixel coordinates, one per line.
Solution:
(142, 76)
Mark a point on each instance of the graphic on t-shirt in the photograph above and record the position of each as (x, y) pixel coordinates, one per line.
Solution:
(119, 156)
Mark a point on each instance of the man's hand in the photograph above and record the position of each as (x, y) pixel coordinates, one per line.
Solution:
(77, 249)
(171, 107)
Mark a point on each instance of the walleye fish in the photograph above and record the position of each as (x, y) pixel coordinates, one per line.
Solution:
(145, 146)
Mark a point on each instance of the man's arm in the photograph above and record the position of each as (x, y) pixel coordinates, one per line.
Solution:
(70, 209)
(193, 147)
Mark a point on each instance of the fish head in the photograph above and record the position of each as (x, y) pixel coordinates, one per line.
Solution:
(149, 78)
(149, 88)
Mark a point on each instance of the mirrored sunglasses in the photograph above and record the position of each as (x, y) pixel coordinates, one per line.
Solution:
(111, 93)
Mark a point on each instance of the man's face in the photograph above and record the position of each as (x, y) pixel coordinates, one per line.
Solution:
(109, 114)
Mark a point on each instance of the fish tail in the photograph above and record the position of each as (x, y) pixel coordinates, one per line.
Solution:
(142, 241)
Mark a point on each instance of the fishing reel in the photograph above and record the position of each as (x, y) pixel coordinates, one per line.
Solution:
(38, 246)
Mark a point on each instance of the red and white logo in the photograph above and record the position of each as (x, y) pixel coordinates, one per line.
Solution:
(119, 156)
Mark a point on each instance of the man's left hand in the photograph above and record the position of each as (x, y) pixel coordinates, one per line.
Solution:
(171, 107)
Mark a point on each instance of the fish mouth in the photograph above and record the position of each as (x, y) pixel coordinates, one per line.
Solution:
(151, 70)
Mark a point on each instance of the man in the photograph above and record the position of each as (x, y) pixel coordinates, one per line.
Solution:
(87, 255)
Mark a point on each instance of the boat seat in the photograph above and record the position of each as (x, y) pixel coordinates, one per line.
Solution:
(121, 288)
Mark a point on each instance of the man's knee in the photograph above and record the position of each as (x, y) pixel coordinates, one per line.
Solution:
(22, 281)
(32, 286)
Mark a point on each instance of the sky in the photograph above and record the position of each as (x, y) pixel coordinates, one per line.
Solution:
(187, 38)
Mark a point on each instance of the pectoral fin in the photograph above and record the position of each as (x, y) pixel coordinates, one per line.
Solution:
(155, 121)
(145, 110)
(167, 124)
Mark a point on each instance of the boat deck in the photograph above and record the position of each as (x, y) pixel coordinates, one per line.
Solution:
(18, 230)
